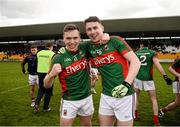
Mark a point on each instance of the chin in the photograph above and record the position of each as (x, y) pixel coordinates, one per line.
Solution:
(95, 41)
(73, 50)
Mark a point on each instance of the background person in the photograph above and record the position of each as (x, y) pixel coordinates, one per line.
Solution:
(43, 65)
(144, 79)
(32, 71)
(175, 70)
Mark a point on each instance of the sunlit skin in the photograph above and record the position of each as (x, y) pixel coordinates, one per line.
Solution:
(94, 30)
(72, 40)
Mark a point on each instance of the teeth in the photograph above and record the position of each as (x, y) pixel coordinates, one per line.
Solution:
(71, 46)
(94, 36)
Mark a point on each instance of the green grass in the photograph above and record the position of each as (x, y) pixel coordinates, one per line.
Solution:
(15, 101)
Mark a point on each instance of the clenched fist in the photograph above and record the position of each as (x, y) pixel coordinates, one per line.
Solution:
(56, 69)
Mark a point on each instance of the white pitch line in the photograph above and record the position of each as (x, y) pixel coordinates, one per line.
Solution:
(12, 89)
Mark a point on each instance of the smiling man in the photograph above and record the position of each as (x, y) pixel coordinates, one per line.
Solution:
(71, 66)
(118, 66)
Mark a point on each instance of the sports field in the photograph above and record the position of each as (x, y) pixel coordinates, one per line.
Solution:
(15, 101)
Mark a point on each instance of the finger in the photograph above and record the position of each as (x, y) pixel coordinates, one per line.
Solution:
(59, 69)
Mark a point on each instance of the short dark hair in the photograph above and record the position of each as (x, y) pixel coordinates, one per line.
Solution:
(70, 27)
(92, 19)
(33, 46)
(48, 44)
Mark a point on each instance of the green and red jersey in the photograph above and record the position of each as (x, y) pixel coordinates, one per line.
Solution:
(108, 59)
(74, 78)
(176, 67)
(145, 55)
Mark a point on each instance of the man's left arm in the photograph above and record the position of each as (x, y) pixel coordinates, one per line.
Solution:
(133, 67)
(123, 89)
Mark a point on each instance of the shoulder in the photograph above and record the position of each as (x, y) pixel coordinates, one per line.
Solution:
(150, 51)
(39, 52)
(118, 41)
(117, 38)
(154, 53)
(57, 55)
(57, 58)
(53, 52)
(49, 53)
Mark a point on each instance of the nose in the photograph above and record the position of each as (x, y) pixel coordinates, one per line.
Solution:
(71, 41)
(93, 31)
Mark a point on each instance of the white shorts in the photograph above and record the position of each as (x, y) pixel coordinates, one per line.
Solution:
(176, 87)
(70, 109)
(122, 108)
(144, 85)
(33, 80)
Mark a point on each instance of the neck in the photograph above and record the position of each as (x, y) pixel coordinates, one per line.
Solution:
(74, 51)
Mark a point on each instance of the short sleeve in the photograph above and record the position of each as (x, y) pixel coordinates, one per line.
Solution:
(56, 59)
(121, 45)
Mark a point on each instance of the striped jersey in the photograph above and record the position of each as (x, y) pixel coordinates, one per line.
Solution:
(74, 78)
(108, 59)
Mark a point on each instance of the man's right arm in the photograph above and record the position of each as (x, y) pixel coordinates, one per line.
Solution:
(161, 70)
(158, 65)
(22, 66)
(49, 78)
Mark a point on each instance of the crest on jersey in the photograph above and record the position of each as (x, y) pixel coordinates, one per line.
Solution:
(65, 112)
(81, 54)
(99, 51)
(106, 47)
(75, 58)
(62, 50)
